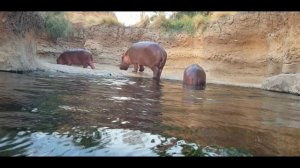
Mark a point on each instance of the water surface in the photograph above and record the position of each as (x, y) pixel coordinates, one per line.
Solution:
(56, 114)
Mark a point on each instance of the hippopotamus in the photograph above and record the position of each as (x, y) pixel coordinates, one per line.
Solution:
(194, 77)
(76, 57)
(145, 53)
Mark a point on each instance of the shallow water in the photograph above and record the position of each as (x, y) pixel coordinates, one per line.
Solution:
(55, 114)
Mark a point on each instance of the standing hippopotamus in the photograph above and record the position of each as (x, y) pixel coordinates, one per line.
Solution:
(194, 77)
(76, 57)
(145, 53)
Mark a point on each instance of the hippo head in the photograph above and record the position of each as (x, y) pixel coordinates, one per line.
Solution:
(125, 62)
(59, 61)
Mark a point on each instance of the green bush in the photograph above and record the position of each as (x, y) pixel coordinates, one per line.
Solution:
(184, 24)
(187, 22)
(190, 14)
(57, 25)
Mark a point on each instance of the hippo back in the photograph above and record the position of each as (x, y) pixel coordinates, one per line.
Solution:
(75, 56)
(194, 77)
(147, 53)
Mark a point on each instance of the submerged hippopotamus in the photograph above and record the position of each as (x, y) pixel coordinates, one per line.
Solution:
(145, 53)
(76, 57)
(194, 77)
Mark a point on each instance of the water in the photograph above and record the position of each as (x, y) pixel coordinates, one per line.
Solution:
(44, 114)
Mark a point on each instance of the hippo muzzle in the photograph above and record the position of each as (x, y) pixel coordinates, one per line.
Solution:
(124, 67)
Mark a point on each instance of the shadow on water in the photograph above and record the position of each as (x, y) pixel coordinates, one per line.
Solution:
(64, 115)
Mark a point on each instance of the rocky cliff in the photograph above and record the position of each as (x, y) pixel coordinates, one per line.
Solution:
(256, 46)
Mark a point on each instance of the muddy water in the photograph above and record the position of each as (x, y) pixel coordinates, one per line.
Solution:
(54, 114)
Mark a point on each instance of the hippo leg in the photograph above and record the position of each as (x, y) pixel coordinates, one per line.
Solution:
(141, 68)
(91, 65)
(135, 67)
(69, 63)
(160, 71)
(156, 74)
(85, 66)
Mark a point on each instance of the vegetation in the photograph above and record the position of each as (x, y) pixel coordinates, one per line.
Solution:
(182, 22)
(88, 19)
(144, 22)
(159, 21)
(109, 21)
(216, 15)
(22, 22)
(57, 25)
(187, 22)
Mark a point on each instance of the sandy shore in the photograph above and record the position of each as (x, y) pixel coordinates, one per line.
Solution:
(106, 70)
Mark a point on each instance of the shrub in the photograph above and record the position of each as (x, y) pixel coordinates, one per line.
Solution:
(216, 15)
(184, 24)
(108, 20)
(57, 25)
(190, 14)
(21, 22)
(199, 20)
(88, 19)
(159, 21)
(187, 22)
(143, 23)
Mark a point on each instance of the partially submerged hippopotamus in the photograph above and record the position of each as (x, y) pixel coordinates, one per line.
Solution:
(76, 57)
(194, 77)
(145, 53)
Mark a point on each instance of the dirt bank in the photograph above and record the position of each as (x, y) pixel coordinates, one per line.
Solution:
(17, 51)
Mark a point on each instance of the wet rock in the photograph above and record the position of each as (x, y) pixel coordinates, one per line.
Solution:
(289, 83)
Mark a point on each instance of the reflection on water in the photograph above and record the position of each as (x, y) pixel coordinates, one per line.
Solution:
(77, 142)
(103, 142)
(64, 115)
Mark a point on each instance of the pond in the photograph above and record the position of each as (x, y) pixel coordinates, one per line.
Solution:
(57, 114)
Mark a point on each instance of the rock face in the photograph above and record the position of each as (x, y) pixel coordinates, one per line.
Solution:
(260, 38)
(255, 46)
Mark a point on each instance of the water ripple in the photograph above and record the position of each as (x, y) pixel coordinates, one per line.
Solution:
(66, 115)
